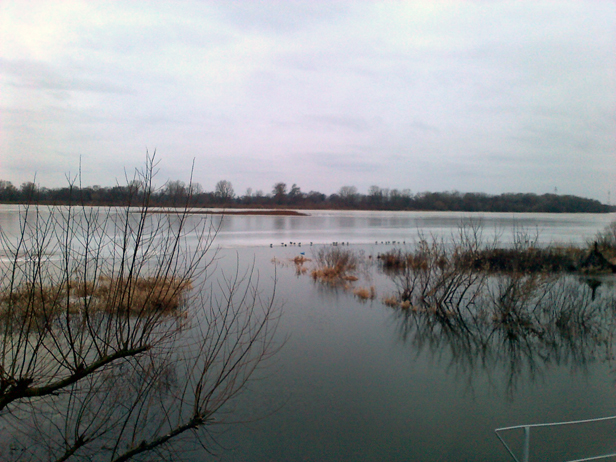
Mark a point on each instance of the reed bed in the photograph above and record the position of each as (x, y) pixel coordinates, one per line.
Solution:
(365, 293)
(40, 304)
(334, 265)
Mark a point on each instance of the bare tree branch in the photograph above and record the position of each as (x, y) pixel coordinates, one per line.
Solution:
(114, 341)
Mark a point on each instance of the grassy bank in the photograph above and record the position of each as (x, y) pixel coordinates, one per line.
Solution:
(525, 256)
(445, 279)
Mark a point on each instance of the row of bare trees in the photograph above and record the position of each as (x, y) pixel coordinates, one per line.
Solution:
(116, 344)
(175, 192)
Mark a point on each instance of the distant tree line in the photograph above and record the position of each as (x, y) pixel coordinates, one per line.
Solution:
(179, 193)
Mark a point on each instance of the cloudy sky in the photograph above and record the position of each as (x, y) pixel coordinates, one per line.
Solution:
(483, 96)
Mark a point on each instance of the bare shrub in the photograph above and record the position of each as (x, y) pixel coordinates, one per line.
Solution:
(524, 238)
(434, 277)
(606, 241)
(531, 260)
(93, 364)
(334, 264)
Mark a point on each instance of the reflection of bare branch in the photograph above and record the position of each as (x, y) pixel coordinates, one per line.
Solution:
(111, 346)
(511, 322)
(543, 323)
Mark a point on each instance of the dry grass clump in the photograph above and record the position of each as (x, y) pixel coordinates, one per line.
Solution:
(334, 265)
(38, 304)
(300, 260)
(33, 307)
(299, 264)
(365, 293)
(144, 295)
(391, 301)
(324, 274)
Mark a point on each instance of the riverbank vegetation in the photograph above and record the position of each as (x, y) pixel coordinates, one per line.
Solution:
(334, 265)
(39, 305)
(526, 255)
(177, 193)
(501, 309)
(444, 277)
(114, 343)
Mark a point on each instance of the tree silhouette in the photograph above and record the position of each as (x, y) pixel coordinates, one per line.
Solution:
(113, 346)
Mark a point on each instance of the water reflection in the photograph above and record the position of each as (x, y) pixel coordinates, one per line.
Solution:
(514, 327)
(279, 223)
(323, 227)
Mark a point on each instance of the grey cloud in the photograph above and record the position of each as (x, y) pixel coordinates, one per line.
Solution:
(358, 56)
(342, 162)
(420, 126)
(40, 75)
(280, 17)
(355, 124)
(482, 96)
(52, 115)
(152, 39)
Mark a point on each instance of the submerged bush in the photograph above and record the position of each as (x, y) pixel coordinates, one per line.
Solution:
(92, 365)
(531, 260)
(439, 256)
(334, 265)
(606, 241)
(365, 293)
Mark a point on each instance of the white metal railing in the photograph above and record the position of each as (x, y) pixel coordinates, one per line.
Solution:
(526, 445)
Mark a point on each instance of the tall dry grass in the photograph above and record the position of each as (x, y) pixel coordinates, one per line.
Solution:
(606, 241)
(91, 361)
(365, 293)
(334, 265)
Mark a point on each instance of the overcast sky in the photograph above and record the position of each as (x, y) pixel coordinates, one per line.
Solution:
(475, 96)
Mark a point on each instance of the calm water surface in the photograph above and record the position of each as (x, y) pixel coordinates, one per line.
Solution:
(357, 381)
(325, 227)
(367, 227)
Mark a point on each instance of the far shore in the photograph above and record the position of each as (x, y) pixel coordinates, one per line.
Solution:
(281, 212)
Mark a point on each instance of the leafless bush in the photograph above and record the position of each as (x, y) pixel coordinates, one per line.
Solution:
(606, 240)
(334, 265)
(95, 363)
(435, 276)
(524, 238)
(516, 326)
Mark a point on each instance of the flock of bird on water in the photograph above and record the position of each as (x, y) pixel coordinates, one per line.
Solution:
(336, 243)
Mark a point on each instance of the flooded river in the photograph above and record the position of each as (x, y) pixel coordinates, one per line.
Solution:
(357, 380)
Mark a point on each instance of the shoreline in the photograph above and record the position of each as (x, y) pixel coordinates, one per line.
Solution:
(291, 213)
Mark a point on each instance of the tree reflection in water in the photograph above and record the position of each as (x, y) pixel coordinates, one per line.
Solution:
(511, 324)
